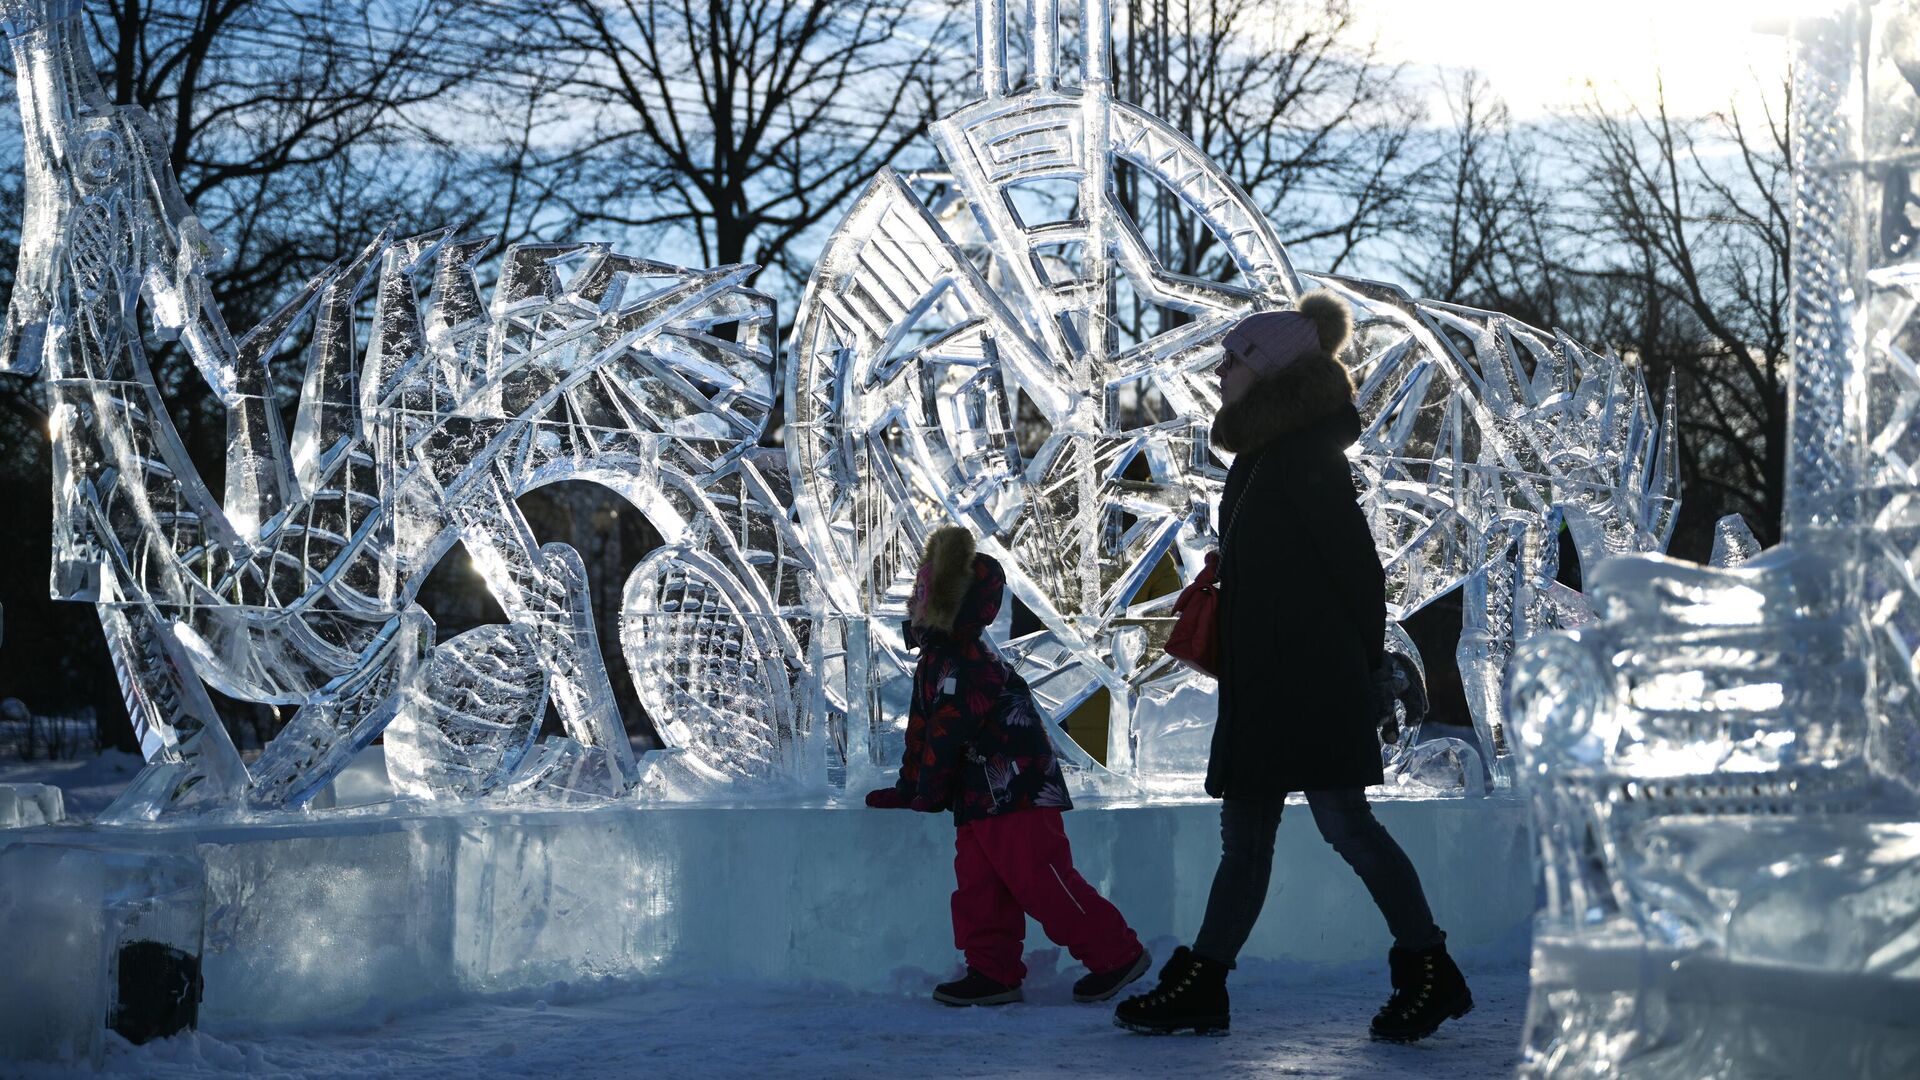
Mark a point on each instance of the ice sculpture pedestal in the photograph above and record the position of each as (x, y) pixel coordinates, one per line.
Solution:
(1782, 947)
(331, 916)
(1680, 1013)
(88, 926)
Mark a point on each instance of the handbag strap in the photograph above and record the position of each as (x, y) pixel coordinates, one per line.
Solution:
(1227, 532)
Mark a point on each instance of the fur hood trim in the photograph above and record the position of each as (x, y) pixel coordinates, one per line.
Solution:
(946, 573)
(1304, 392)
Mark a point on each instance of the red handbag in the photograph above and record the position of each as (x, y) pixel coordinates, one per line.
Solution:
(1195, 640)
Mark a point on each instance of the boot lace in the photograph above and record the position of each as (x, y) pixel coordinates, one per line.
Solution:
(1410, 1002)
(1162, 995)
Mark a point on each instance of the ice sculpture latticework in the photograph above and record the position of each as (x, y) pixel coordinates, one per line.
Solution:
(470, 715)
(958, 359)
(296, 586)
(959, 356)
(1725, 769)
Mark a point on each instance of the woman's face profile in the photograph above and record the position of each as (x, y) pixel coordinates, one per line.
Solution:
(1236, 375)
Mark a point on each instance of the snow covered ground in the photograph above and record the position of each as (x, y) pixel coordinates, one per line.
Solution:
(89, 784)
(1288, 1021)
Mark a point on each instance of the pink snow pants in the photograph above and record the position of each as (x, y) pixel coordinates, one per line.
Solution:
(1019, 864)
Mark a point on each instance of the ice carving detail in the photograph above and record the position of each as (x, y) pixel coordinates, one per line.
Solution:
(296, 586)
(1724, 770)
(959, 358)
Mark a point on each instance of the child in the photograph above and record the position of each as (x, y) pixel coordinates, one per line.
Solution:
(976, 745)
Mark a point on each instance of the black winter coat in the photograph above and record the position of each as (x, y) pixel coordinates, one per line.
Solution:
(976, 742)
(1303, 600)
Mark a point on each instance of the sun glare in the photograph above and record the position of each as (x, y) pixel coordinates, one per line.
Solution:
(1538, 57)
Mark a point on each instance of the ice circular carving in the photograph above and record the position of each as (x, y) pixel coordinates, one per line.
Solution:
(707, 669)
(469, 718)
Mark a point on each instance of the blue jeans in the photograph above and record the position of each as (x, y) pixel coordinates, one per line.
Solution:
(1247, 828)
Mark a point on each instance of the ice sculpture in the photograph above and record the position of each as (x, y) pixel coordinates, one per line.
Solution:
(944, 328)
(469, 715)
(1442, 768)
(1733, 543)
(934, 338)
(297, 586)
(1725, 769)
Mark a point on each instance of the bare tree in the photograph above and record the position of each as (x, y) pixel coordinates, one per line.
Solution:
(736, 128)
(1689, 241)
(298, 127)
(1288, 99)
(1661, 238)
(1484, 230)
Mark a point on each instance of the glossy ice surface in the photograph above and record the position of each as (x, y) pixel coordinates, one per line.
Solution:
(971, 350)
(295, 586)
(1003, 347)
(1724, 768)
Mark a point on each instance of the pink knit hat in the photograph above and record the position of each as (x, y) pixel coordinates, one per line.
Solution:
(1269, 341)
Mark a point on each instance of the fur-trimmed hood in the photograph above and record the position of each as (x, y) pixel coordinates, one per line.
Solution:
(1298, 396)
(957, 590)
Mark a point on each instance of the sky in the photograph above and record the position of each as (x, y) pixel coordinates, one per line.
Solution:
(1539, 54)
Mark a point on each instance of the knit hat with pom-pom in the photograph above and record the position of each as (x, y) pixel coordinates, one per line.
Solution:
(1270, 341)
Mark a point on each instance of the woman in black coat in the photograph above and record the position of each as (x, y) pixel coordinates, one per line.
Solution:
(1302, 625)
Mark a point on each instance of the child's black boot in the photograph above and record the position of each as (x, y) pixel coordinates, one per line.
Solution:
(976, 989)
(1101, 985)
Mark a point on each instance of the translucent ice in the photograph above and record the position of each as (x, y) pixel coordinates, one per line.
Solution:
(1006, 349)
(467, 722)
(711, 669)
(30, 804)
(1447, 768)
(1733, 542)
(1729, 890)
(964, 355)
(295, 585)
(563, 772)
(1725, 768)
(316, 917)
(83, 918)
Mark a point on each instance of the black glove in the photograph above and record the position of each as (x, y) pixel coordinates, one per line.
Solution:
(886, 798)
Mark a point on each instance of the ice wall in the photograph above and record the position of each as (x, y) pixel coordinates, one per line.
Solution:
(76, 918)
(312, 920)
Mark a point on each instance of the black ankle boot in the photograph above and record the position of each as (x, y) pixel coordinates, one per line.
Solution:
(1427, 991)
(1192, 996)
